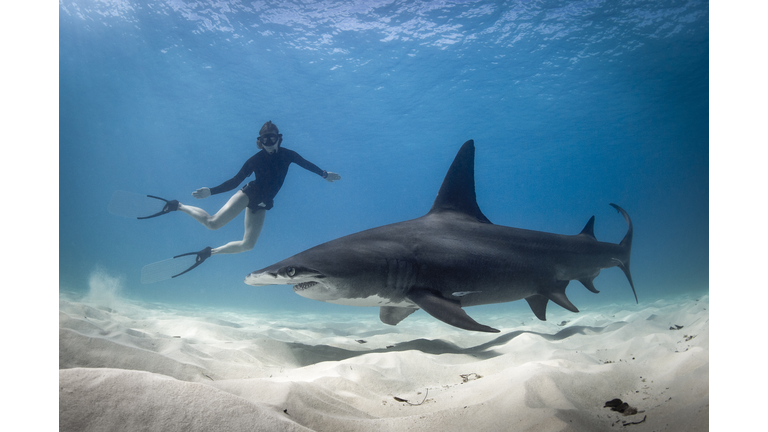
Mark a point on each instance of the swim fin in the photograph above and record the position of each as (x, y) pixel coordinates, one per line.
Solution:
(138, 206)
(173, 267)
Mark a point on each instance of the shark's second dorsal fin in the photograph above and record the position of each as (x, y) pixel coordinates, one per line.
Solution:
(457, 192)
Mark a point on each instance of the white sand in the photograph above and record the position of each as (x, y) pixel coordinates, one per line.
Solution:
(134, 367)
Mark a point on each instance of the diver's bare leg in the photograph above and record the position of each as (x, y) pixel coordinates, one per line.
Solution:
(254, 221)
(232, 208)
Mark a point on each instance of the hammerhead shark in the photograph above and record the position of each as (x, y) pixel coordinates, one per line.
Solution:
(450, 258)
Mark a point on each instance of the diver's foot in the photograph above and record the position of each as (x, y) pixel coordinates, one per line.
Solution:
(203, 254)
(199, 258)
(170, 206)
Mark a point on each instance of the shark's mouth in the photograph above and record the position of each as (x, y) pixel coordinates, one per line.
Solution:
(304, 285)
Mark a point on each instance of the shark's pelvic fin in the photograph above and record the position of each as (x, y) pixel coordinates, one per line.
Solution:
(393, 315)
(589, 228)
(457, 192)
(557, 295)
(447, 311)
(589, 284)
(538, 305)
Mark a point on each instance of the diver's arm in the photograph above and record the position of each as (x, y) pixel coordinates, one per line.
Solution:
(309, 166)
(228, 185)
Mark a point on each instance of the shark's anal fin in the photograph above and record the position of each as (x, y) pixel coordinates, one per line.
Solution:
(538, 304)
(447, 311)
(393, 315)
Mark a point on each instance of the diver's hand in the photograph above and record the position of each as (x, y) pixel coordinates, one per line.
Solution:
(332, 177)
(201, 193)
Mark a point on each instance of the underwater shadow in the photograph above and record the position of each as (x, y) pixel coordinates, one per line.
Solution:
(307, 355)
(560, 335)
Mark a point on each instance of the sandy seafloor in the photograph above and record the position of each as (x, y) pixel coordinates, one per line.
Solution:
(138, 366)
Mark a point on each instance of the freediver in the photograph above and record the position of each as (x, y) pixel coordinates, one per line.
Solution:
(270, 166)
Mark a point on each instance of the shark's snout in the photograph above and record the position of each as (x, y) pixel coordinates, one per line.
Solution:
(261, 278)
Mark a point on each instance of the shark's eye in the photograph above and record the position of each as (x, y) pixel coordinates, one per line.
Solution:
(290, 271)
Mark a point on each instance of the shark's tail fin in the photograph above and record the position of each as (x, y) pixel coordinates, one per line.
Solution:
(626, 245)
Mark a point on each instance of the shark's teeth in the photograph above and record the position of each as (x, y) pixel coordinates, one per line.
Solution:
(304, 285)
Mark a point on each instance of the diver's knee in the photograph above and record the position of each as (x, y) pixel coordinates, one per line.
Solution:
(248, 244)
(213, 224)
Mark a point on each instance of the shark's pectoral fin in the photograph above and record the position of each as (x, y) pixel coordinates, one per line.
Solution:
(393, 315)
(447, 311)
(538, 305)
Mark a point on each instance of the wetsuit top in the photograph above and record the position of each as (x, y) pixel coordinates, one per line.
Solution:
(270, 170)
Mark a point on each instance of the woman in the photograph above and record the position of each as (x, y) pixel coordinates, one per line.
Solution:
(270, 165)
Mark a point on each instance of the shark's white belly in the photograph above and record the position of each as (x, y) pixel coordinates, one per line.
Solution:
(373, 300)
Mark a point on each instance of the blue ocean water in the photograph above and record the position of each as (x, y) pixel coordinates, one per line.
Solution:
(572, 105)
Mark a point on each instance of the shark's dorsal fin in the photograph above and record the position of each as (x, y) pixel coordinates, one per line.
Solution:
(589, 228)
(457, 192)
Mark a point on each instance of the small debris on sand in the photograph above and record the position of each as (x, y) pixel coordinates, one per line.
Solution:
(622, 407)
(470, 377)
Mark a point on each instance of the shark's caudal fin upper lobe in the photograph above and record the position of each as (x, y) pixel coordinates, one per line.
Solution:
(626, 244)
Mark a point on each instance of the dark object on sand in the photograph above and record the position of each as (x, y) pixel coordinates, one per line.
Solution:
(622, 407)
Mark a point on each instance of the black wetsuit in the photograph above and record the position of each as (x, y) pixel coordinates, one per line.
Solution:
(270, 170)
